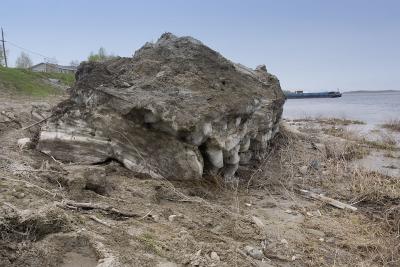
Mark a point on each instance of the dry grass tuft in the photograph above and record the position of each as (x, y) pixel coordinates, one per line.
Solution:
(368, 237)
(358, 241)
(373, 187)
(330, 121)
(386, 141)
(347, 151)
(340, 132)
(31, 225)
(392, 217)
(393, 125)
(390, 154)
(345, 122)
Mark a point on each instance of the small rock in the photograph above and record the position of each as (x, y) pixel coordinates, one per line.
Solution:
(284, 241)
(291, 212)
(17, 194)
(316, 232)
(214, 256)
(155, 217)
(125, 84)
(255, 253)
(172, 217)
(258, 222)
(295, 257)
(303, 169)
(248, 204)
(330, 240)
(20, 195)
(24, 143)
(315, 164)
(160, 74)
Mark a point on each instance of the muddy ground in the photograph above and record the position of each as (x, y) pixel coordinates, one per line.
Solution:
(59, 214)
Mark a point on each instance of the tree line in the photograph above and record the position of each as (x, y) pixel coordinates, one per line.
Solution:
(24, 61)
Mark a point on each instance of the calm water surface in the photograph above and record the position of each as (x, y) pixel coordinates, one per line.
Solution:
(372, 108)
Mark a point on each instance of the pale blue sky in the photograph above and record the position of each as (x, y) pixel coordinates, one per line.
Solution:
(309, 44)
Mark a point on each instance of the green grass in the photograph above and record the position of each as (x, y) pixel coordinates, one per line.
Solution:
(25, 82)
(150, 243)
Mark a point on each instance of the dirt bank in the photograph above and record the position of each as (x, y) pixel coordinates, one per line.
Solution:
(55, 214)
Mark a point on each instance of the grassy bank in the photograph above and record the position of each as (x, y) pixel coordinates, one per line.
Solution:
(330, 121)
(25, 82)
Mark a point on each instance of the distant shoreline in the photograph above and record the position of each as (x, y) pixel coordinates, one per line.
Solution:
(371, 92)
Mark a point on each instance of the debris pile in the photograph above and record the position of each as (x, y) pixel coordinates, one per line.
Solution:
(176, 109)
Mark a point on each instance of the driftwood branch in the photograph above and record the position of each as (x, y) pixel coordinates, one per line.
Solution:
(94, 218)
(50, 171)
(36, 123)
(147, 214)
(97, 206)
(330, 201)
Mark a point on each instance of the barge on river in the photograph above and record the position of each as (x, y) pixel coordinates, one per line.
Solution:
(301, 94)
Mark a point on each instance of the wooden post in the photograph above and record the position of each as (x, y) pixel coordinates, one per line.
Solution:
(4, 48)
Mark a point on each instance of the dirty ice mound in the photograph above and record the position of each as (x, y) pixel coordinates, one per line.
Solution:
(177, 109)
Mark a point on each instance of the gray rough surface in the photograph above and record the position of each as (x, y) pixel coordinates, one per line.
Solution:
(176, 109)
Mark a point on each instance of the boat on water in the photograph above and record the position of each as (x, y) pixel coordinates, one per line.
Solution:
(301, 94)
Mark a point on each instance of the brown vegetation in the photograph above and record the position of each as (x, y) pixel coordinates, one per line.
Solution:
(393, 125)
(371, 235)
(331, 121)
(385, 142)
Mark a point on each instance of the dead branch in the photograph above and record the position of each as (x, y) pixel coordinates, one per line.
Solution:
(330, 201)
(94, 218)
(98, 206)
(57, 161)
(51, 171)
(147, 214)
(36, 123)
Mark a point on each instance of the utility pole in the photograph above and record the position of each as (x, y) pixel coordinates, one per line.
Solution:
(4, 48)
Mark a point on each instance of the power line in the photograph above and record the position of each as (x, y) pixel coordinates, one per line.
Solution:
(26, 49)
(45, 58)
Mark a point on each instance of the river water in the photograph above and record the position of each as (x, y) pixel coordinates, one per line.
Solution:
(372, 108)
